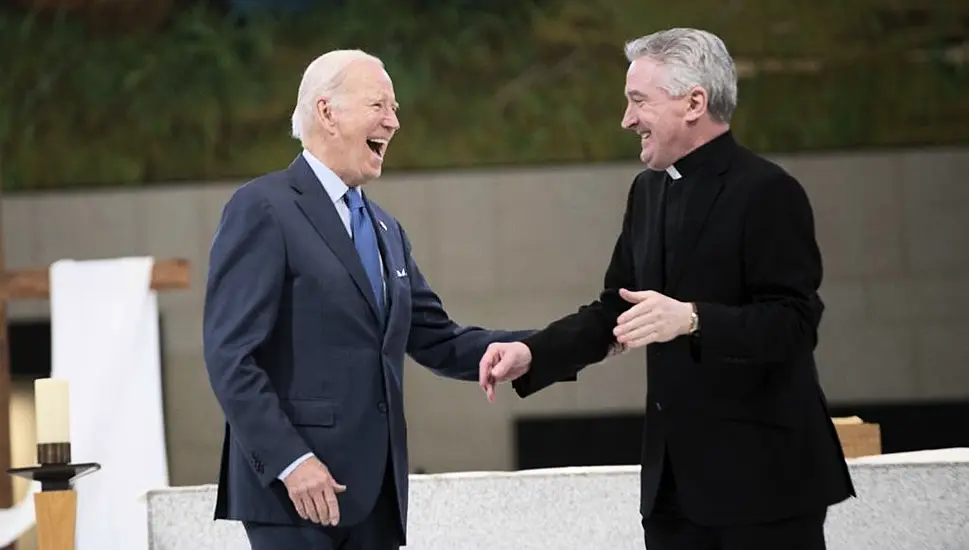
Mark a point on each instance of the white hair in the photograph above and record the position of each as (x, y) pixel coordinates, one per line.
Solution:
(692, 58)
(322, 78)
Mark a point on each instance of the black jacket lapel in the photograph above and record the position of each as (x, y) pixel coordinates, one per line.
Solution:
(706, 189)
(698, 207)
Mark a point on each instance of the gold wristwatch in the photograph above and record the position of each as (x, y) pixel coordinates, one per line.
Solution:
(694, 320)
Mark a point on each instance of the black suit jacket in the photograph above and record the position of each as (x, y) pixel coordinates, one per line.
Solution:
(738, 406)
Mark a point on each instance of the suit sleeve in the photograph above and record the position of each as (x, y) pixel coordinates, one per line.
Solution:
(247, 269)
(436, 341)
(782, 265)
(571, 343)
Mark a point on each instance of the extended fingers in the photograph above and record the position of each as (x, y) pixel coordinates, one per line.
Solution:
(484, 370)
(642, 318)
(486, 379)
(320, 509)
(329, 496)
(300, 503)
(635, 336)
(637, 310)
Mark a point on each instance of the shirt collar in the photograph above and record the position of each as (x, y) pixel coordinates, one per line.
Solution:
(673, 172)
(332, 183)
(712, 150)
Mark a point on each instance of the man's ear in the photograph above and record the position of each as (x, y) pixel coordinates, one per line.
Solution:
(324, 113)
(696, 104)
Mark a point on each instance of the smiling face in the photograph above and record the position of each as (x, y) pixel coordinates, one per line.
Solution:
(359, 122)
(665, 124)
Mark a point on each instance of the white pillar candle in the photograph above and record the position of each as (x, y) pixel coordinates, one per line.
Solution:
(52, 408)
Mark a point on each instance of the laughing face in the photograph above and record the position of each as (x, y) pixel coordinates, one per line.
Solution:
(359, 123)
(661, 121)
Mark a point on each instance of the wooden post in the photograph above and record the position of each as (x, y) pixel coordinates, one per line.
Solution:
(56, 513)
(55, 505)
(34, 284)
(6, 483)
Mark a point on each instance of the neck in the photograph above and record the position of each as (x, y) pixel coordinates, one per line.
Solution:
(330, 157)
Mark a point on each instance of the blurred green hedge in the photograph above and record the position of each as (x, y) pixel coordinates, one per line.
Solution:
(207, 97)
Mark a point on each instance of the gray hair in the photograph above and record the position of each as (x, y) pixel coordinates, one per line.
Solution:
(692, 58)
(322, 78)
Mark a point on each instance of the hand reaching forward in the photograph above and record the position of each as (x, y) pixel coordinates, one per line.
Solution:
(502, 362)
(313, 491)
(653, 318)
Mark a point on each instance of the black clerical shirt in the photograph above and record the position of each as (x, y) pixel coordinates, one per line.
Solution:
(674, 201)
(681, 178)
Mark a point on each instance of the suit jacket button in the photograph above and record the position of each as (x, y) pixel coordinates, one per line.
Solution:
(659, 407)
(382, 407)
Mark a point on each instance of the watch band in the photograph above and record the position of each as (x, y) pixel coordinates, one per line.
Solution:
(694, 320)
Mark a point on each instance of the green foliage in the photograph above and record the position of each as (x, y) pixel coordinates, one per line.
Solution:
(209, 97)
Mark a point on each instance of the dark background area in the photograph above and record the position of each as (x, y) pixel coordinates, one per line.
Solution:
(30, 347)
(614, 439)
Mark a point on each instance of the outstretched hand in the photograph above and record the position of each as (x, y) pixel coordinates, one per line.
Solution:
(652, 318)
(502, 362)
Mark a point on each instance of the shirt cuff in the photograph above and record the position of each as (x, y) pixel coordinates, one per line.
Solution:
(289, 469)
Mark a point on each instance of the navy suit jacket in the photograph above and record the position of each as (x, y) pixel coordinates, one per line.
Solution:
(298, 357)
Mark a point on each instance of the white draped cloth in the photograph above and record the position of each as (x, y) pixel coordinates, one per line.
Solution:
(104, 323)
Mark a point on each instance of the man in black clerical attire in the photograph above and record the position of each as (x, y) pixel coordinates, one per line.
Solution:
(716, 273)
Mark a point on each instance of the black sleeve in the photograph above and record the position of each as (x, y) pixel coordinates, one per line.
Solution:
(575, 341)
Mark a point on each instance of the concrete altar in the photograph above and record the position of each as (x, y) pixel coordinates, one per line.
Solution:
(907, 501)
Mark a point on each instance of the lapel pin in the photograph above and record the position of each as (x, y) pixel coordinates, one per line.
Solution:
(384, 227)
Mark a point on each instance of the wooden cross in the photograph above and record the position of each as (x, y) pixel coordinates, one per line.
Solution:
(34, 284)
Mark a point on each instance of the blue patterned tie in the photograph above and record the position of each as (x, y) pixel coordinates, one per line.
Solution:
(365, 241)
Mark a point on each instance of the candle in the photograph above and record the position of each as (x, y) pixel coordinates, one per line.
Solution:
(52, 408)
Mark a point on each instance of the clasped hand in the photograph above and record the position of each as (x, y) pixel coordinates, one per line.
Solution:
(652, 318)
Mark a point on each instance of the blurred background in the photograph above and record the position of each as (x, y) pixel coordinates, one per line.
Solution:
(125, 125)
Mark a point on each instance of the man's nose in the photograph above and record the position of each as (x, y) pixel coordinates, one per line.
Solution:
(391, 121)
(628, 120)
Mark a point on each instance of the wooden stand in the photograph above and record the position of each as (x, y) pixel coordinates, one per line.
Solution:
(55, 506)
(34, 284)
(858, 438)
(56, 513)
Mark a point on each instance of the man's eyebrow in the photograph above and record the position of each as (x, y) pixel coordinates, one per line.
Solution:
(393, 103)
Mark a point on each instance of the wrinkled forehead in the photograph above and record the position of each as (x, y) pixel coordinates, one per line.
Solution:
(368, 80)
(643, 77)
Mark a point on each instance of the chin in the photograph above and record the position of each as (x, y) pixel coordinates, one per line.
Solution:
(646, 159)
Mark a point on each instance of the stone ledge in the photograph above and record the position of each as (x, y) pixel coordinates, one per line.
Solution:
(908, 501)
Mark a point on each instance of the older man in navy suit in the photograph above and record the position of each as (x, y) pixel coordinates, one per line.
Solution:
(312, 301)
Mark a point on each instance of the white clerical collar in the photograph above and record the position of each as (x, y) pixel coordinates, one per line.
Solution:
(673, 172)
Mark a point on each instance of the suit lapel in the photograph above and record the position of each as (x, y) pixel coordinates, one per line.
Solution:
(316, 205)
(394, 263)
